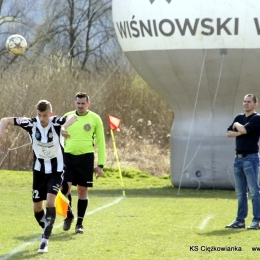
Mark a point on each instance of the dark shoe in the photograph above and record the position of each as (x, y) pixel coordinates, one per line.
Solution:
(43, 247)
(67, 223)
(236, 224)
(79, 229)
(254, 225)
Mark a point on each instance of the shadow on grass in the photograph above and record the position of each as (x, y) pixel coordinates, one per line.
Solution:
(21, 255)
(222, 232)
(54, 237)
(27, 254)
(164, 192)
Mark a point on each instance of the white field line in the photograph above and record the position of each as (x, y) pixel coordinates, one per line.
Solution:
(205, 222)
(19, 248)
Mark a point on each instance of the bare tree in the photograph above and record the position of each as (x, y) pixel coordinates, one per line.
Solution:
(81, 29)
(16, 17)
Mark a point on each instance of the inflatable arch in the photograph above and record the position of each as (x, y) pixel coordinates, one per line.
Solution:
(202, 57)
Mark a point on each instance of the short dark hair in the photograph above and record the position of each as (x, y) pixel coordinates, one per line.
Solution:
(255, 99)
(44, 105)
(82, 95)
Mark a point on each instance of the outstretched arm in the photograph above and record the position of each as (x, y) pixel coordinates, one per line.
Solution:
(70, 120)
(4, 123)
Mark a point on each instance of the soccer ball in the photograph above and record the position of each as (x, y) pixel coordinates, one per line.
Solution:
(16, 44)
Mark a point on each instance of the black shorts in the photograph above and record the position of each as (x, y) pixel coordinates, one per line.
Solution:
(79, 169)
(45, 183)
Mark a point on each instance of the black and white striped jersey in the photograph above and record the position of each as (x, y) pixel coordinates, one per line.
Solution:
(47, 142)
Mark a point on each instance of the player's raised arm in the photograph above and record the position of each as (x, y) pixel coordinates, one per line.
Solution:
(70, 120)
(5, 121)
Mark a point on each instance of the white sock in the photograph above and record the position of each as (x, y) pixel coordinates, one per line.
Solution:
(45, 240)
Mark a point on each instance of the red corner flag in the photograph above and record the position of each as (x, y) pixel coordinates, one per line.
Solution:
(114, 123)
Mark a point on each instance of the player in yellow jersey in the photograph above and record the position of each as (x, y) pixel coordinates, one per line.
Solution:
(86, 133)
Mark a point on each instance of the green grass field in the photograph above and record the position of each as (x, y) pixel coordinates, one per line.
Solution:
(151, 222)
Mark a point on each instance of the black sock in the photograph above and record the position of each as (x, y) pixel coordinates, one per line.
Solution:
(49, 221)
(82, 207)
(69, 213)
(39, 216)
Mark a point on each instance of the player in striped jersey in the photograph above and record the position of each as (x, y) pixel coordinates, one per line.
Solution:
(48, 145)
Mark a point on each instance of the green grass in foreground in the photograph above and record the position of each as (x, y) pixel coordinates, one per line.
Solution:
(151, 222)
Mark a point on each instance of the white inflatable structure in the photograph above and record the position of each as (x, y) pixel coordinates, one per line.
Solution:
(202, 57)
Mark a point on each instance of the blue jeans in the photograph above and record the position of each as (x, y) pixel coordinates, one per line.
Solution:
(246, 177)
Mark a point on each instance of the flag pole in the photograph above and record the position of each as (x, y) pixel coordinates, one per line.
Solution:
(118, 164)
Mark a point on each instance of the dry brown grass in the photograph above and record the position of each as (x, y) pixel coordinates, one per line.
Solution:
(146, 120)
(139, 154)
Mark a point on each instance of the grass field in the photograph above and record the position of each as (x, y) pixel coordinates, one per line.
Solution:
(151, 222)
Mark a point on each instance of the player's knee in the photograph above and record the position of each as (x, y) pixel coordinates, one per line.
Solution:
(37, 206)
(82, 192)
